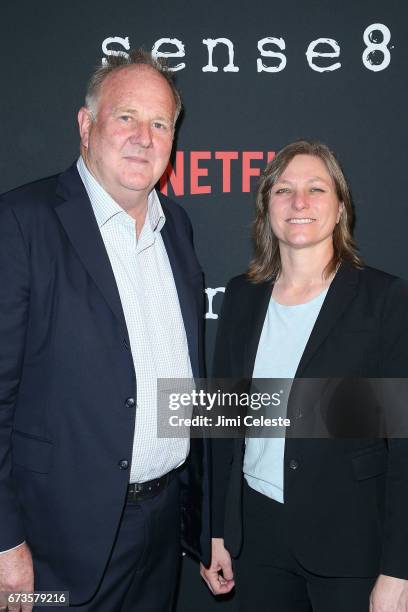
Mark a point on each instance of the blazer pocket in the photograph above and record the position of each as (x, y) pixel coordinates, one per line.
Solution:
(31, 453)
(370, 464)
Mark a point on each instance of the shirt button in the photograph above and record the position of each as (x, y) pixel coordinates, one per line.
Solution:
(293, 464)
(130, 402)
(123, 464)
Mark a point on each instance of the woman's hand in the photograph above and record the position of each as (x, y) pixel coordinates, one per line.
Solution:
(218, 583)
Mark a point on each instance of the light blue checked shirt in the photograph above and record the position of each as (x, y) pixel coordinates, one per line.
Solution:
(153, 317)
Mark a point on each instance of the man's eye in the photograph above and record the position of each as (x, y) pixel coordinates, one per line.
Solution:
(159, 125)
(125, 118)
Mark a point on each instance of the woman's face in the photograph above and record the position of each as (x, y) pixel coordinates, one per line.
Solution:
(303, 206)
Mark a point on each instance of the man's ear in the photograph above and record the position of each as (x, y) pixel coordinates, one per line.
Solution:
(84, 123)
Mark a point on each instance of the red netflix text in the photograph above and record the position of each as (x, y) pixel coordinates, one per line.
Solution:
(204, 172)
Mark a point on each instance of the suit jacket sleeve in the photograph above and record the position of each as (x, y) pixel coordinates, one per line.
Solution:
(221, 448)
(395, 365)
(14, 302)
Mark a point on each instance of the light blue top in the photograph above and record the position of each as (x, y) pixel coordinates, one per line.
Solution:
(285, 333)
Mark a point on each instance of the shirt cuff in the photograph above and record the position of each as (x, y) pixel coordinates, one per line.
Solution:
(2, 552)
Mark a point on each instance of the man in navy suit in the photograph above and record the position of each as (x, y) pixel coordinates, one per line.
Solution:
(100, 295)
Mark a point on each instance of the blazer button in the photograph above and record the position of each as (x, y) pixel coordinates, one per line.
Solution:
(123, 464)
(130, 402)
(293, 464)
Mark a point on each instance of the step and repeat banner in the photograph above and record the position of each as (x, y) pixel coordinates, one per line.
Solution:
(253, 76)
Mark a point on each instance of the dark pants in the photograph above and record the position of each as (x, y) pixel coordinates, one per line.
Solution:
(269, 578)
(142, 573)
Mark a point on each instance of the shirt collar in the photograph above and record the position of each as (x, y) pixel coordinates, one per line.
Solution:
(105, 207)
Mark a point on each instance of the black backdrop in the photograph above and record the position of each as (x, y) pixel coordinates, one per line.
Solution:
(355, 100)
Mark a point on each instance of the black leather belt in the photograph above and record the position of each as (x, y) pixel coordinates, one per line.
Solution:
(144, 490)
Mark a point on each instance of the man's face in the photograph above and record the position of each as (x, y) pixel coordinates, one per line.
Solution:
(128, 146)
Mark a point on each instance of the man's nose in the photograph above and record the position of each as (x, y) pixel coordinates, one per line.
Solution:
(142, 134)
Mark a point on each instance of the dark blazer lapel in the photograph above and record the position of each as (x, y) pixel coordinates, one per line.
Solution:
(305, 393)
(76, 215)
(259, 298)
(185, 290)
(339, 295)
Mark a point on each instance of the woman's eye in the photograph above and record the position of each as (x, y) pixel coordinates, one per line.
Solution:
(282, 190)
(317, 189)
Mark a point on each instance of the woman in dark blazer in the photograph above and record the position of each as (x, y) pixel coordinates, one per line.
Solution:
(322, 526)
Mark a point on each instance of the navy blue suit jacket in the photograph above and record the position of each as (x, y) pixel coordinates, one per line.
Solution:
(66, 371)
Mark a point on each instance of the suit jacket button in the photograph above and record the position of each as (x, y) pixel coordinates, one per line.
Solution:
(123, 464)
(293, 464)
(130, 402)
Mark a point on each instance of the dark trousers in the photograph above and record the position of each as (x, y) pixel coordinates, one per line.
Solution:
(270, 579)
(142, 573)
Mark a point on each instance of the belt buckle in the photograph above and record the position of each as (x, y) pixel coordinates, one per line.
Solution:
(134, 489)
(141, 490)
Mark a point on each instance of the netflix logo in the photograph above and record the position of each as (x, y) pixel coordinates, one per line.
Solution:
(206, 172)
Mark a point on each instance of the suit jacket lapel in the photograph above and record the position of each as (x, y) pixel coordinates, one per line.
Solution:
(339, 295)
(76, 215)
(260, 297)
(185, 289)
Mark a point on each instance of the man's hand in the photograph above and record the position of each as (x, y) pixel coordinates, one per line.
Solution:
(389, 595)
(218, 584)
(16, 576)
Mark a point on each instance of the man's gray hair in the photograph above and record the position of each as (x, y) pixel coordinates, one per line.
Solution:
(135, 57)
